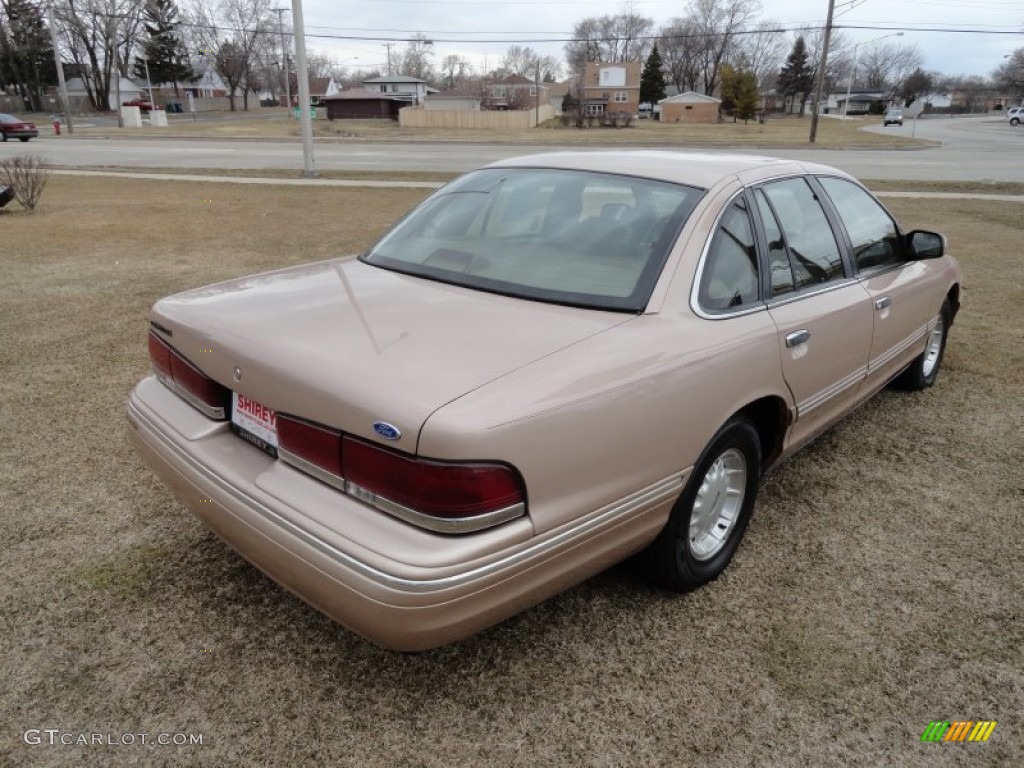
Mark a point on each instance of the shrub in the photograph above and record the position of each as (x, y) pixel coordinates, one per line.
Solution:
(26, 175)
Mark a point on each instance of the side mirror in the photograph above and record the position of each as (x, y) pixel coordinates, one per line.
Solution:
(922, 244)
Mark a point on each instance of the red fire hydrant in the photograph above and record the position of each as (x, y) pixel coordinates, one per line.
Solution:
(56, 126)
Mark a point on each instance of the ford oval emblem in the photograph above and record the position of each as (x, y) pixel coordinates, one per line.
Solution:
(387, 431)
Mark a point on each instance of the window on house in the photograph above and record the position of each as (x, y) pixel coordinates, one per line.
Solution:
(621, 97)
(594, 110)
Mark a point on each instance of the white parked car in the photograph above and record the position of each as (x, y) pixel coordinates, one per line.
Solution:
(1015, 115)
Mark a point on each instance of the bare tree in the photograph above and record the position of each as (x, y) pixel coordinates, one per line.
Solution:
(417, 61)
(718, 22)
(680, 45)
(762, 52)
(99, 36)
(623, 37)
(455, 70)
(526, 61)
(886, 66)
(1009, 76)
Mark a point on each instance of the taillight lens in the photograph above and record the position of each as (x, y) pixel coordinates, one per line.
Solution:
(312, 444)
(452, 497)
(189, 382)
(445, 490)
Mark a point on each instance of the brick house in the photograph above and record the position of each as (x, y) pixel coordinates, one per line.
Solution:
(689, 107)
(610, 89)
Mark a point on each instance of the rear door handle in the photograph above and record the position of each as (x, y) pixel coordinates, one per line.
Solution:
(883, 302)
(796, 338)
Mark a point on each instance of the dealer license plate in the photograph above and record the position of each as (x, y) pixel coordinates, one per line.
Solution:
(254, 422)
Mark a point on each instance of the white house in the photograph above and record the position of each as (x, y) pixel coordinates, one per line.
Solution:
(129, 90)
(402, 86)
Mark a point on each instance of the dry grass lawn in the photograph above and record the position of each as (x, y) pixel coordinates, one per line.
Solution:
(879, 586)
(776, 132)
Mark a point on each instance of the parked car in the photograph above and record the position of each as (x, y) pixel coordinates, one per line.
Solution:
(893, 117)
(13, 128)
(142, 104)
(551, 364)
(1015, 115)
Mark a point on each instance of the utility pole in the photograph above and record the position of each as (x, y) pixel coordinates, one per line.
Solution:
(302, 71)
(822, 64)
(65, 103)
(284, 53)
(388, 46)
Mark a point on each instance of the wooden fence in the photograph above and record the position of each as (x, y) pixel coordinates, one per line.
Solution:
(418, 117)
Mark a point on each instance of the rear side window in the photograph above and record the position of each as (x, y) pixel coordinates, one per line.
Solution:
(730, 275)
(872, 232)
(814, 255)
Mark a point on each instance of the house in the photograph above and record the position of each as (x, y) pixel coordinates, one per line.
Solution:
(611, 89)
(130, 90)
(410, 89)
(363, 104)
(452, 99)
(515, 92)
(689, 107)
(320, 88)
(557, 93)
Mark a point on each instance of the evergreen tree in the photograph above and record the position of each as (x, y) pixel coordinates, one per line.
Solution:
(168, 62)
(797, 76)
(26, 55)
(652, 79)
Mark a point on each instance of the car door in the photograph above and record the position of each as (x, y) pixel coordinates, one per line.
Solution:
(822, 314)
(901, 309)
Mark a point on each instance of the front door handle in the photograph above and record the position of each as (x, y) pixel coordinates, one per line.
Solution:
(796, 338)
(883, 303)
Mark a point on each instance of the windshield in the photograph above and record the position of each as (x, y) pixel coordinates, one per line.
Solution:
(571, 237)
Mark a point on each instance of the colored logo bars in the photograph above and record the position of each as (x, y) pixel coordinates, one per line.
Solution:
(960, 730)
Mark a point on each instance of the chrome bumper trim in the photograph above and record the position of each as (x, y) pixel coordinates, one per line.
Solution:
(663, 491)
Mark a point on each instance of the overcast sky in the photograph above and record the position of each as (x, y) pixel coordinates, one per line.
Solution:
(458, 26)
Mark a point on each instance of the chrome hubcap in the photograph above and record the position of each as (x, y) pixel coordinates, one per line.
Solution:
(718, 503)
(933, 348)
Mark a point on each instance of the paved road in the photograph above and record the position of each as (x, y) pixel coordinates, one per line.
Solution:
(974, 149)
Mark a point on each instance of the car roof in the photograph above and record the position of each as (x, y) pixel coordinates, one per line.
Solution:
(700, 169)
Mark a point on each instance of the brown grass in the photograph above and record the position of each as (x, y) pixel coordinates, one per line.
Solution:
(776, 132)
(878, 587)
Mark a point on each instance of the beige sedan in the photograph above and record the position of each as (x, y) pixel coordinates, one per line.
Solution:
(551, 364)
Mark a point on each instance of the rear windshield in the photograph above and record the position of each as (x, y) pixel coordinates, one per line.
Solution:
(570, 237)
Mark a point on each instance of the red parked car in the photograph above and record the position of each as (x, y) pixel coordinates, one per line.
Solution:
(142, 104)
(13, 128)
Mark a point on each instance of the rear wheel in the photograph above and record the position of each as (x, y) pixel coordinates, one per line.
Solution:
(709, 519)
(925, 369)
(1015, 121)
(3, 136)
(24, 138)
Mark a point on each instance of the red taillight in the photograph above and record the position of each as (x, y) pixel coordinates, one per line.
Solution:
(311, 443)
(449, 491)
(451, 497)
(196, 387)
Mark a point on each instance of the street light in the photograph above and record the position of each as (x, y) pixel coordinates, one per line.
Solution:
(853, 72)
(149, 83)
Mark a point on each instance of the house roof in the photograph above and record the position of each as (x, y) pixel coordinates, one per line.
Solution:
(690, 97)
(318, 85)
(515, 80)
(394, 79)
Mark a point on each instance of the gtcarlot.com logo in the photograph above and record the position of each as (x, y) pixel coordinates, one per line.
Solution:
(54, 737)
(958, 730)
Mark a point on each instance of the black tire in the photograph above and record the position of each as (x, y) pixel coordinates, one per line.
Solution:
(24, 138)
(1015, 121)
(922, 373)
(673, 560)
(3, 136)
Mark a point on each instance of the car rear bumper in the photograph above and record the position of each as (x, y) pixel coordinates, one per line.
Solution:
(22, 134)
(399, 586)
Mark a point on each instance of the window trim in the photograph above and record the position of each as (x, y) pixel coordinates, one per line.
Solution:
(758, 306)
(848, 243)
(838, 232)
